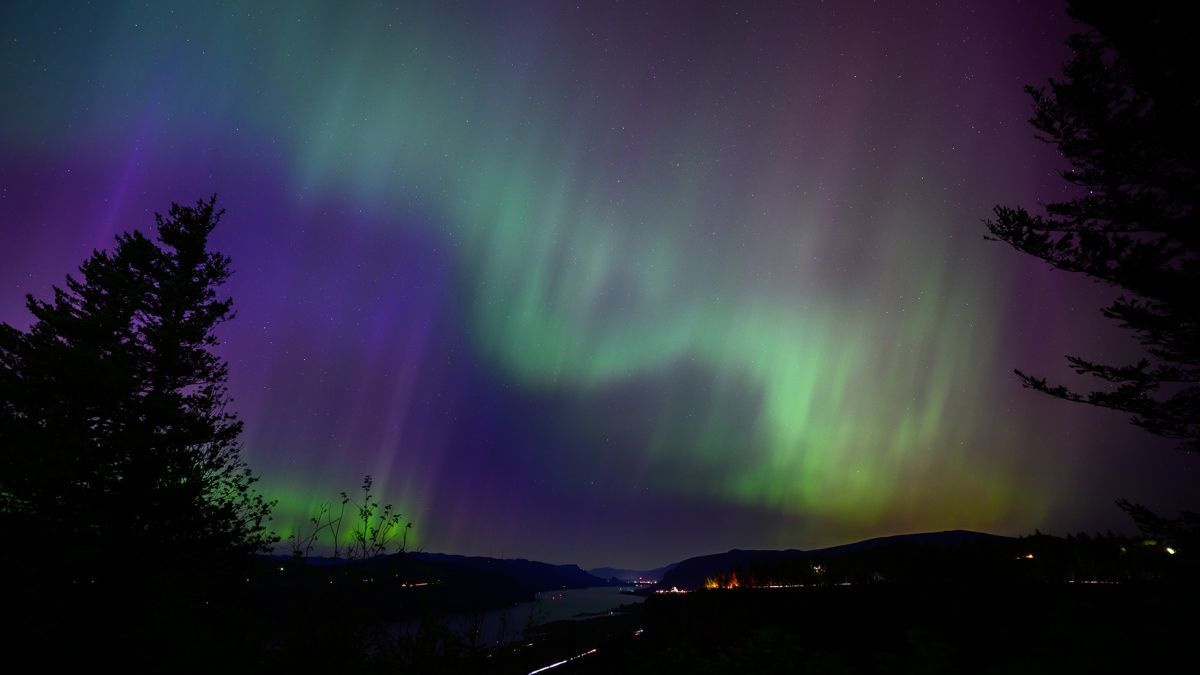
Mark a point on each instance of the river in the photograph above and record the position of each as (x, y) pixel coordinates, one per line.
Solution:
(502, 626)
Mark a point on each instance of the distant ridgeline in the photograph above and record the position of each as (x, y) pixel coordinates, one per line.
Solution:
(619, 574)
(447, 581)
(938, 557)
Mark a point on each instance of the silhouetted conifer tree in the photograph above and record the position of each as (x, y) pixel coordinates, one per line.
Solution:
(119, 458)
(1125, 116)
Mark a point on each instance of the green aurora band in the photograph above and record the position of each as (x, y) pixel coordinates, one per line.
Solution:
(578, 282)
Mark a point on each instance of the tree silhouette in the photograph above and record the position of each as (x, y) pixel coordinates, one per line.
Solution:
(1125, 115)
(118, 455)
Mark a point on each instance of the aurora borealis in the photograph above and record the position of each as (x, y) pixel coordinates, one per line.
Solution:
(606, 283)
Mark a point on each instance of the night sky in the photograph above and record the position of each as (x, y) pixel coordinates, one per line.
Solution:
(603, 283)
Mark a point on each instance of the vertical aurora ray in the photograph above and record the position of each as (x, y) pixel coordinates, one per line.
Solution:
(581, 265)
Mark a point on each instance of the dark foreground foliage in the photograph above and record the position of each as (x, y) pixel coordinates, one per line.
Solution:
(129, 515)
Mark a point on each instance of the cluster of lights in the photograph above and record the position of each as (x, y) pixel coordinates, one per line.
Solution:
(711, 585)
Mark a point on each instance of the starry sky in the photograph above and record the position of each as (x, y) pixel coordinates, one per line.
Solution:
(598, 282)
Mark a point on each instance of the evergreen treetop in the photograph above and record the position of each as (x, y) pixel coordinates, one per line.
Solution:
(116, 441)
(1124, 115)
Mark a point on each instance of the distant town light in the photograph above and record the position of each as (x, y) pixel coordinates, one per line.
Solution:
(1170, 551)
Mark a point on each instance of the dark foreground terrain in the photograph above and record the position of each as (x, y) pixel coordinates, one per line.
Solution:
(1138, 627)
(961, 628)
(951, 602)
